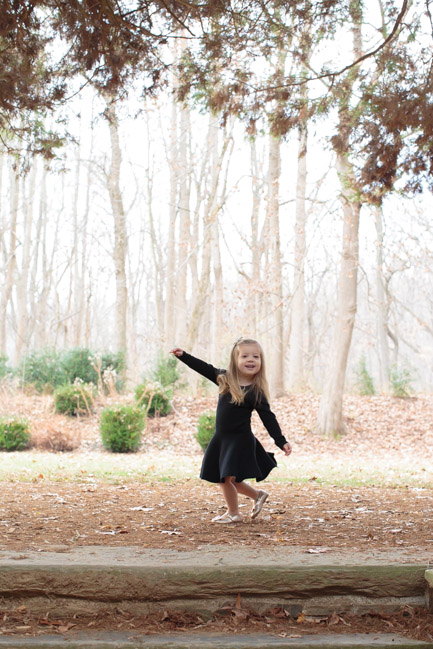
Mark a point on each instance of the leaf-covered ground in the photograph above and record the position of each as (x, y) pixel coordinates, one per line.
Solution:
(235, 619)
(41, 515)
(371, 490)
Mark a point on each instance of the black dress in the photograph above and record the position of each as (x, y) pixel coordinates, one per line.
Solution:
(233, 450)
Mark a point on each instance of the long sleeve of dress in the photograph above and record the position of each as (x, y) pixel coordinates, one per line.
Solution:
(270, 422)
(205, 369)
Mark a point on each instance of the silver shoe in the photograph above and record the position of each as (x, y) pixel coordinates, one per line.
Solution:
(227, 518)
(257, 508)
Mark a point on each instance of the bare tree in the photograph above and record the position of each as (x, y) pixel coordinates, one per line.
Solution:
(120, 232)
(382, 305)
(256, 244)
(213, 202)
(330, 416)
(79, 260)
(274, 269)
(297, 330)
(9, 254)
(23, 317)
(184, 237)
(170, 275)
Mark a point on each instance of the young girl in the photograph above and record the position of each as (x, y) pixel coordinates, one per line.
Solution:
(234, 454)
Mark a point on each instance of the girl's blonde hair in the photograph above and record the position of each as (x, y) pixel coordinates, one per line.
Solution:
(229, 381)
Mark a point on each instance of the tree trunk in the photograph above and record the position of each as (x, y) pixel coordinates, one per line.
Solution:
(39, 298)
(10, 258)
(330, 418)
(170, 278)
(382, 307)
(86, 291)
(210, 229)
(296, 345)
(2, 159)
(23, 317)
(275, 270)
(184, 227)
(157, 261)
(77, 259)
(255, 285)
(218, 294)
(120, 234)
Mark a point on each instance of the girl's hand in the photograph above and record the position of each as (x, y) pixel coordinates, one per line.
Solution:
(287, 448)
(176, 351)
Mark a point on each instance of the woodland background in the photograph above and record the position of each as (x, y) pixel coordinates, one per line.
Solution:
(183, 173)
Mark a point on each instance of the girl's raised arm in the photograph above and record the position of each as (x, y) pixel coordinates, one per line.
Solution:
(205, 369)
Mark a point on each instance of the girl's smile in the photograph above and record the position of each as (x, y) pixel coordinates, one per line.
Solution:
(249, 362)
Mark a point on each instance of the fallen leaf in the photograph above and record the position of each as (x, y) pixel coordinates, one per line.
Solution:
(65, 629)
(142, 509)
(112, 532)
(170, 532)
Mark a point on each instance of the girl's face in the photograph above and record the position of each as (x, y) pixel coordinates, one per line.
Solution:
(249, 362)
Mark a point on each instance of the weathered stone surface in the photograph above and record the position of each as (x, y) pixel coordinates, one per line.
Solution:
(96, 640)
(429, 588)
(158, 583)
(319, 606)
(201, 581)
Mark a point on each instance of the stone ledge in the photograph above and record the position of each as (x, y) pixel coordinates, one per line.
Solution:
(202, 581)
(115, 640)
(161, 583)
(429, 588)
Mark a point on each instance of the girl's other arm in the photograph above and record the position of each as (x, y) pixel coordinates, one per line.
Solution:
(272, 426)
(287, 448)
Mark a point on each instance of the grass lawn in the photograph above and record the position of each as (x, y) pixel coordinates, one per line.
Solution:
(388, 470)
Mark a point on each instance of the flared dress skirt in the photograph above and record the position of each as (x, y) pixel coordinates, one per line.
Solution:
(236, 454)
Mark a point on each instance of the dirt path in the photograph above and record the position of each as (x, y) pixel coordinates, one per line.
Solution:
(158, 515)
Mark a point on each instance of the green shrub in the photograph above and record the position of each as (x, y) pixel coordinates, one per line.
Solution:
(48, 369)
(121, 428)
(14, 434)
(153, 398)
(77, 364)
(167, 371)
(205, 429)
(113, 364)
(364, 381)
(4, 369)
(74, 400)
(43, 369)
(401, 381)
(82, 363)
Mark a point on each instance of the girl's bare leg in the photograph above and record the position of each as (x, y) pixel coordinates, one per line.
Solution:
(246, 490)
(230, 493)
(259, 496)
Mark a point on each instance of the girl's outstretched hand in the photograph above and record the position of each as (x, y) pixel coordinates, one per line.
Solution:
(176, 351)
(287, 448)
